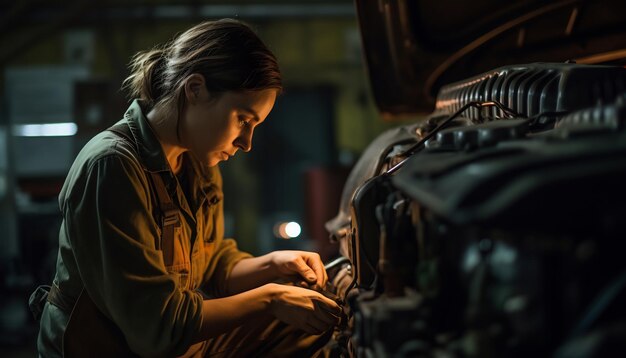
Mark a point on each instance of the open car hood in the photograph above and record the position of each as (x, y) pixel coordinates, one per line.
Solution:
(413, 47)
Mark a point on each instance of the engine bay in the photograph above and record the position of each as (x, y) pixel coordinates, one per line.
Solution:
(493, 227)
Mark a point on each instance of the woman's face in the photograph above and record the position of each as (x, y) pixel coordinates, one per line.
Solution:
(215, 129)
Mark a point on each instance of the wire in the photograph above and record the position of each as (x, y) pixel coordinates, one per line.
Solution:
(600, 304)
(412, 150)
(336, 262)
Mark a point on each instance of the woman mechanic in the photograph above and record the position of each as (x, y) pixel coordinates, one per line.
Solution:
(143, 268)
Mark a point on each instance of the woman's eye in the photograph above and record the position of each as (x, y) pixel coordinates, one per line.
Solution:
(244, 121)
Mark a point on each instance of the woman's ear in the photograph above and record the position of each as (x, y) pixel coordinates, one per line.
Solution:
(195, 88)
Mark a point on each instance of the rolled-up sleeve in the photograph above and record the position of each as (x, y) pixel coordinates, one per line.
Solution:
(226, 257)
(113, 234)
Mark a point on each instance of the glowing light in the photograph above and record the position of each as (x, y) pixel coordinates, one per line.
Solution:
(293, 229)
(287, 230)
(45, 130)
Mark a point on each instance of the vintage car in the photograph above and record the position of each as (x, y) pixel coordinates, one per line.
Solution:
(493, 226)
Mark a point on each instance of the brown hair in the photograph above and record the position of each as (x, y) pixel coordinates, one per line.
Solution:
(229, 55)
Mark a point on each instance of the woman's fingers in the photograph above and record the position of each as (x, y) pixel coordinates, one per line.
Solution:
(306, 264)
(319, 325)
(301, 267)
(328, 310)
(315, 263)
(310, 329)
(305, 309)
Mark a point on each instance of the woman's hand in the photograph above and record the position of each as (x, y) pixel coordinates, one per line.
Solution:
(300, 267)
(302, 308)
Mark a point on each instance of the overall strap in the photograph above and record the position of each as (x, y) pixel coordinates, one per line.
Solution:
(169, 219)
(169, 212)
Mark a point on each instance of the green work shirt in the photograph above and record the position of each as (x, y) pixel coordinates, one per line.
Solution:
(109, 240)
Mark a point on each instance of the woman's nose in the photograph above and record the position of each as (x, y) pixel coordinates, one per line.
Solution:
(244, 141)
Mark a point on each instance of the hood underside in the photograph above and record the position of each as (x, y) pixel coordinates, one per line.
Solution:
(412, 48)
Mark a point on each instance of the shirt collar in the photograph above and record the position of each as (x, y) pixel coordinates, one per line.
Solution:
(150, 150)
(148, 146)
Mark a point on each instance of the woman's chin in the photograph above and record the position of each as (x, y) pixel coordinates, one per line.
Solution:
(211, 162)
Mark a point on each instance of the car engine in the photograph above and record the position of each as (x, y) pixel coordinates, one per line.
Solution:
(493, 227)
